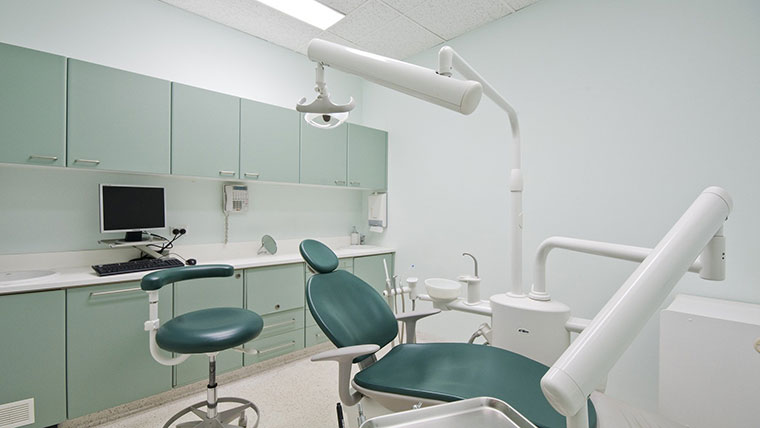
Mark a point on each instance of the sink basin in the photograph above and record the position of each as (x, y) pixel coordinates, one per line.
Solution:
(23, 275)
(442, 289)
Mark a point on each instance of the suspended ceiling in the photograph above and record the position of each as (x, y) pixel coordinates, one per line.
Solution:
(394, 28)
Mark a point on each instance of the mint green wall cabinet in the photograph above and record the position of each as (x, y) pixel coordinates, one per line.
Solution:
(32, 330)
(269, 142)
(367, 157)
(201, 294)
(117, 120)
(32, 106)
(108, 360)
(323, 155)
(371, 270)
(205, 132)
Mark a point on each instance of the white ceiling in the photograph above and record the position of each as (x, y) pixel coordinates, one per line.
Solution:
(394, 28)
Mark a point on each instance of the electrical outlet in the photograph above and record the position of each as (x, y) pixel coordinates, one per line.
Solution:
(177, 229)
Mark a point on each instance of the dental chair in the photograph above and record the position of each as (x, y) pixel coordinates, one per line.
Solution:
(207, 331)
(358, 321)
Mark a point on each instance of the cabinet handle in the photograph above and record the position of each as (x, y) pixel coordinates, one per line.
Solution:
(251, 174)
(355, 183)
(280, 324)
(340, 182)
(40, 157)
(226, 172)
(92, 161)
(108, 293)
(277, 348)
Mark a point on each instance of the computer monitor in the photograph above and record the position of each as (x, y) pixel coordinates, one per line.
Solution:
(131, 209)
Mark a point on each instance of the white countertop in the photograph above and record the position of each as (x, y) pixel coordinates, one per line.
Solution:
(72, 269)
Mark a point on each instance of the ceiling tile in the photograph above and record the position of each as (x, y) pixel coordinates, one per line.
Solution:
(364, 20)
(519, 4)
(403, 6)
(450, 18)
(401, 38)
(253, 18)
(343, 6)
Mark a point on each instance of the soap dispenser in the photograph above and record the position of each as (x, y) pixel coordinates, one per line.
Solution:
(355, 237)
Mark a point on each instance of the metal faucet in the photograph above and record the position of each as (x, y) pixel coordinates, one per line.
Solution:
(476, 263)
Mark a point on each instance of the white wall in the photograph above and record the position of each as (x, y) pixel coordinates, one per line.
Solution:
(628, 110)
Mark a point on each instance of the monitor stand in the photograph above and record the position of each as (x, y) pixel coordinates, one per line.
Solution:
(133, 236)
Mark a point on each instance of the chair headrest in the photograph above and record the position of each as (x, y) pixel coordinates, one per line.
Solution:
(318, 256)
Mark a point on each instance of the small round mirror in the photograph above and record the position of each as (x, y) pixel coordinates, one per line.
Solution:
(268, 245)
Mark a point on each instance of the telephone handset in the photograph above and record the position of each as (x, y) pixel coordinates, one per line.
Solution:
(235, 198)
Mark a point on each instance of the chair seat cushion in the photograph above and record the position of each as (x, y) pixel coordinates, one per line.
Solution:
(209, 330)
(455, 371)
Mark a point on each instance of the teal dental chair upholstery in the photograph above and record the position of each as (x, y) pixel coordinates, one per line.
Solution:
(206, 331)
(359, 322)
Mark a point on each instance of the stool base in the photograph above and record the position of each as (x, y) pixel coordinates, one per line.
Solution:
(221, 420)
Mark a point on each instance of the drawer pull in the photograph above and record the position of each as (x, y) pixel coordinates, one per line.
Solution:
(40, 157)
(355, 183)
(226, 172)
(340, 182)
(251, 174)
(92, 161)
(108, 293)
(277, 348)
(280, 324)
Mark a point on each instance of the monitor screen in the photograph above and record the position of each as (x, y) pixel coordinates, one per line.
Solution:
(131, 208)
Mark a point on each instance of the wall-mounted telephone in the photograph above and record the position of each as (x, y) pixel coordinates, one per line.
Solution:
(235, 198)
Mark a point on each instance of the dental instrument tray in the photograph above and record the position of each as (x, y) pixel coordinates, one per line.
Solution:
(481, 412)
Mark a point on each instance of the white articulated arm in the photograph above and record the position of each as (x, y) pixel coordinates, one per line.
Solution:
(152, 326)
(345, 357)
(586, 362)
(410, 320)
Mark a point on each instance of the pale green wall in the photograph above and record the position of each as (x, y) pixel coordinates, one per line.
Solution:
(628, 109)
(56, 209)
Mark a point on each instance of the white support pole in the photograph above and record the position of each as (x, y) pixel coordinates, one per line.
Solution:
(587, 361)
(449, 59)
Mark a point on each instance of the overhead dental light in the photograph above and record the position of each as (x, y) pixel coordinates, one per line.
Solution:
(437, 87)
(323, 113)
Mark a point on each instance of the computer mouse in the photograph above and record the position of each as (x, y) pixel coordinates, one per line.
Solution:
(191, 262)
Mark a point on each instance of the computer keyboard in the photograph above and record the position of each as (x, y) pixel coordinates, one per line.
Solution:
(136, 266)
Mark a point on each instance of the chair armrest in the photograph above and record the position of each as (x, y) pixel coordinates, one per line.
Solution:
(410, 320)
(345, 357)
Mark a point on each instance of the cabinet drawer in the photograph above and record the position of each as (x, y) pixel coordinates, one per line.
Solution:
(282, 322)
(270, 347)
(314, 336)
(274, 288)
(346, 264)
(308, 319)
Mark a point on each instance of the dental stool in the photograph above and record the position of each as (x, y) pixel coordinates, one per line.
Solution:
(207, 331)
(358, 321)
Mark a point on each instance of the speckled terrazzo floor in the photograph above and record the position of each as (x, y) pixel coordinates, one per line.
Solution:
(298, 394)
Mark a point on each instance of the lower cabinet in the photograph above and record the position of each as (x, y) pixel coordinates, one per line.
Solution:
(372, 271)
(206, 293)
(313, 335)
(274, 346)
(107, 356)
(32, 355)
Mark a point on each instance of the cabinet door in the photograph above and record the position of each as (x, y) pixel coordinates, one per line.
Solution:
(32, 106)
(371, 270)
(314, 336)
(367, 157)
(205, 132)
(117, 120)
(323, 155)
(274, 289)
(34, 353)
(274, 346)
(202, 294)
(269, 138)
(108, 358)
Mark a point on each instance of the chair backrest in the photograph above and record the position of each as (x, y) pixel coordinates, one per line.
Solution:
(155, 280)
(348, 310)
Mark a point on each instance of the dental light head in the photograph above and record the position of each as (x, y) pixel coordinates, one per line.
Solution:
(323, 113)
(461, 96)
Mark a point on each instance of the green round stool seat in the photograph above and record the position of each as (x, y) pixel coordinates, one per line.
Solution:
(209, 330)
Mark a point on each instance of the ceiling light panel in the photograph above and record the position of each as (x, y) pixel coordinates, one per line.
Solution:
(310, 11)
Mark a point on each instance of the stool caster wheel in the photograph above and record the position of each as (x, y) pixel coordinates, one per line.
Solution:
(243, 421)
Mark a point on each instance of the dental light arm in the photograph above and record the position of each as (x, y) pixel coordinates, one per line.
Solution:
(438, 87)
(345, 357)
(590, 357)
(410, 320)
